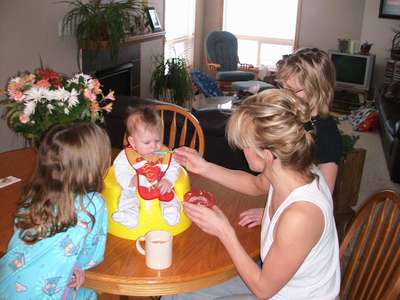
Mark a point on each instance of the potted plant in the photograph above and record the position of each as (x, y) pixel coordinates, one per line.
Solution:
(98, 23)
(171, 81)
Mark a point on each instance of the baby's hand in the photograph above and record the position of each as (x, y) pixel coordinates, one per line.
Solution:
(164, 186)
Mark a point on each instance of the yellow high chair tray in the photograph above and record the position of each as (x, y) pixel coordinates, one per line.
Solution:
(150, 215)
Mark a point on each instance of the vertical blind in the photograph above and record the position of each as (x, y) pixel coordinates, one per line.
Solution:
(179, 27)
(265, 30)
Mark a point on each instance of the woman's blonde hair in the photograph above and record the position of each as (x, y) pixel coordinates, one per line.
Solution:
(315, 73)
(72, 161)
(275, 120)
(145, 115)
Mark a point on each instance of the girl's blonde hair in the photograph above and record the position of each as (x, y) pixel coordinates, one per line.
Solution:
(72, 161)
(315, 73)
(275, 120)
(145, 115)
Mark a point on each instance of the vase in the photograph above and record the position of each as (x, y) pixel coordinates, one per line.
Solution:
(32, 143)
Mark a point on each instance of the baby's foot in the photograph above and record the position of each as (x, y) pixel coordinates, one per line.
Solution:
(171, 212)
(128, 217)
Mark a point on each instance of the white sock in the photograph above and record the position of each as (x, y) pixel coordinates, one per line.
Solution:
(128, 217)
(171, 211)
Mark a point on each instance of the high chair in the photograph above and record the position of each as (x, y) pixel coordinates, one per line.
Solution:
(180, 128)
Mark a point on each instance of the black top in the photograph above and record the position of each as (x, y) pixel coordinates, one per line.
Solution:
(328, 140)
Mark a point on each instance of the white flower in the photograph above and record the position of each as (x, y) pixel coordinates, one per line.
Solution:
(30, 107)
(61, 94)
(50, 107)
(73, 98)
(74, 79)
(90, 84)
(66, 111)
(35, 94)
(50, 95)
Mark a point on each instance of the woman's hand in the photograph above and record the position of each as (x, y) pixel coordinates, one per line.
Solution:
(210, 220)
(190, 159)
(251, 217)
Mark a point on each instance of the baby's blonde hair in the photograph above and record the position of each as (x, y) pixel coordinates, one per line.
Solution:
(143, 115)
(274, 120)
(316, 74)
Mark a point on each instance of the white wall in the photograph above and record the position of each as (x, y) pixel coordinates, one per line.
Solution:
(380, 32)
(322, 22)
(29, 28)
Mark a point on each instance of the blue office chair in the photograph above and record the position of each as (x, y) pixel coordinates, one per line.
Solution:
(222, 59)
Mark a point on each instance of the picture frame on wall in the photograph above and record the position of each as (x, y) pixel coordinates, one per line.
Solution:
(154, 21)
(389, 9)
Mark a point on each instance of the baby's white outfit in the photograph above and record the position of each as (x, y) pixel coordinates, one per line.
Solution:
(148, 173)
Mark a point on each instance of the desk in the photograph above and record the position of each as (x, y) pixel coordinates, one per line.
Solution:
(199, 260)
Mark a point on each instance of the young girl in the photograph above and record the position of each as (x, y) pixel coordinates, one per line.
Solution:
(61, 222)
(299, 243)
(147, 168)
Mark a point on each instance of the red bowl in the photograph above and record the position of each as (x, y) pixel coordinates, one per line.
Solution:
(200, 197)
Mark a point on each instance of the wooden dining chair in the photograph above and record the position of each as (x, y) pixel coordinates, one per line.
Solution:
(181, 128)
(370, 251)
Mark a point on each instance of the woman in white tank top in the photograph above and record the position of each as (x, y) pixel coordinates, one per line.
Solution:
(299, 243)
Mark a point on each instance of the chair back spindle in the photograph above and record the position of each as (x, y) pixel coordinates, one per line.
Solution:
(177, 119)
(370, 251)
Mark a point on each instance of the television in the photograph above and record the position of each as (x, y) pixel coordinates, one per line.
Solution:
(353, 71)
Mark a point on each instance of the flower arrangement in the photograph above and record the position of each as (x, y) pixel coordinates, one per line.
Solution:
(38, 100)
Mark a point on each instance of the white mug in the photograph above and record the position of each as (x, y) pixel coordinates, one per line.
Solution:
(158, 249)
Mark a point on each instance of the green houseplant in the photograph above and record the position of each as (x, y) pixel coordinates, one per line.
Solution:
(171, 81)
(98, 23)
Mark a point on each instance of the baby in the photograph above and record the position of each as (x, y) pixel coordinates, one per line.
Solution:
(146, 168)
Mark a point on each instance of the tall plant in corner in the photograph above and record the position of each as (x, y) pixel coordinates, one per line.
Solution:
(100, 21)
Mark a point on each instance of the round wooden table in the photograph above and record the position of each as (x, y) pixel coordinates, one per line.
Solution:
(199, 259)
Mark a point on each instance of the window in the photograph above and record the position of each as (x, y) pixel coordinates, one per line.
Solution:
(179, 27)
(265, 29)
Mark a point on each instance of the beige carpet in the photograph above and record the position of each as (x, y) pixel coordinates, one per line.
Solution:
(375, 175)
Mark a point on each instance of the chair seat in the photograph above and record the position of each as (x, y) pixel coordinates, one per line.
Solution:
(235, 76)
(241, 86)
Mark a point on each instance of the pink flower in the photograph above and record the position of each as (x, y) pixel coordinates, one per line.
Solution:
(89, 95)
(110, 96)
(13, 87)
(94, 107)
(96, 87)
(43, 83)
(108, 107)
(23, 118)
(18, 96)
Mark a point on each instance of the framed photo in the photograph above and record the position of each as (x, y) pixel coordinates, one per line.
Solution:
(153, 19)
(389, 9)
